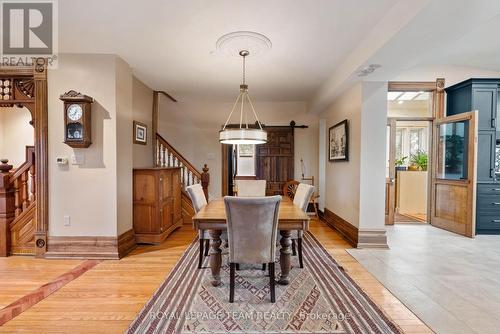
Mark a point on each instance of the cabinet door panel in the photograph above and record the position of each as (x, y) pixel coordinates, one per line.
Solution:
(485, 100)
(176, 187)
(166, 216)
(485, 156)
(144, 219)
(144, 188)
(165, 185)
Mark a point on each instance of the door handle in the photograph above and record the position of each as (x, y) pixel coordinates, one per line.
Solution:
(493, 122)
(495, 203)
(495, 221)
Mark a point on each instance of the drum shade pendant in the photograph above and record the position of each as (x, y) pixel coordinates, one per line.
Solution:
(243, 134)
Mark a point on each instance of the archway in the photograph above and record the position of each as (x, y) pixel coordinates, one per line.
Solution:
(26, 87)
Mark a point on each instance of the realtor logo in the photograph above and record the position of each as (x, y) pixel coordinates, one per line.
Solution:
(29, 30)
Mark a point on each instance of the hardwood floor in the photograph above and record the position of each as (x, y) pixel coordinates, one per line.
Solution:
(107, 297)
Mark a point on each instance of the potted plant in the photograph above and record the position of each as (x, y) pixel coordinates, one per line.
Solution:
(400, 163)
(418, 161)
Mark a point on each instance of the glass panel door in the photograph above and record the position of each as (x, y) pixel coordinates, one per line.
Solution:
(452, 155)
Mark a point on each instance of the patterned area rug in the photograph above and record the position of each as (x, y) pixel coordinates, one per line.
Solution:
(321, 298)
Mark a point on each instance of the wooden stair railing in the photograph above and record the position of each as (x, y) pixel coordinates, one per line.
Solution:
(18, 206)
(168, 156)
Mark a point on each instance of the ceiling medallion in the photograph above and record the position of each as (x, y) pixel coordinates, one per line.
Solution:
(233, 43)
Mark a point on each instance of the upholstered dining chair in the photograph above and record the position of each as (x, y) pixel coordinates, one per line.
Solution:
(199, 200)
(251, 188)
(252, 226)
(302, 197)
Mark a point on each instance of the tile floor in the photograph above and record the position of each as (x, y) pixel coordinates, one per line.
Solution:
(452, 283)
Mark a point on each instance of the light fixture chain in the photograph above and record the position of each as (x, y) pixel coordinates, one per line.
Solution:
(244, 67)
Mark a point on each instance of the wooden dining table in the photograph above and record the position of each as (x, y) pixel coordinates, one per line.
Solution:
(212, 217)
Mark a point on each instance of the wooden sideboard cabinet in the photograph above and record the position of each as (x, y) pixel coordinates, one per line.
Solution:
(157, 203)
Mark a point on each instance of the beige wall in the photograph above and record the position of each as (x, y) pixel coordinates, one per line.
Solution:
(87, 193)
(124, 145)
(192, 128)
(142, 108)
(342, 177)
(355, 189)
(15, 134)
(97, 195)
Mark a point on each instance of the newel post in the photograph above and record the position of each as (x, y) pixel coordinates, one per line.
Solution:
(7, 207)
(205, 180)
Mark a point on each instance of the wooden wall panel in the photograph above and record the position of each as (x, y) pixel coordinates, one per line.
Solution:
(447, 197)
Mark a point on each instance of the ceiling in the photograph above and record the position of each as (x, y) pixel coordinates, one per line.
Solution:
(318, 47)
(171, 44)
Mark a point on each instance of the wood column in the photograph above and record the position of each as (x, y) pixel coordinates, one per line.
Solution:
(41, 156)
(7, 207)
(439, 103)
(205, 180)
(154, 129)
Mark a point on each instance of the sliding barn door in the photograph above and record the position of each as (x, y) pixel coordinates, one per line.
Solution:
(275, 159)
(453, 201)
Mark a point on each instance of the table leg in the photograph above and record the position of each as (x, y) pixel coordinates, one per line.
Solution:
(215, 256)
(285, 256)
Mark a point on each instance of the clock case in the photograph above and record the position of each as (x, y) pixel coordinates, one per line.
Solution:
(85, 122)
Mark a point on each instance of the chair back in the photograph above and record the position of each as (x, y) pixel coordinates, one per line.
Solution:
(252, 226)
(251, 188)
(197, 196)
(303, 195)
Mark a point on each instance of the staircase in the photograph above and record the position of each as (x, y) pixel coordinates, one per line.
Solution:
(167, 156)
(18, 194)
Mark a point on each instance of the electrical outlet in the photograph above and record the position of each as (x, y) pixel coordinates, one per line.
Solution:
(67, 221)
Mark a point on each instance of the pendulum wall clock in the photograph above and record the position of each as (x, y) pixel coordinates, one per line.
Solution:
(77, 119)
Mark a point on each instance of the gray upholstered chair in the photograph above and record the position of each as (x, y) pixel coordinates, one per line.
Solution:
(199, 200)
(302, 197)
(252, 226)
(251, 188)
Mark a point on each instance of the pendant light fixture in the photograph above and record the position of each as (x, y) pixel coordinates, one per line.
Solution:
(244, 134)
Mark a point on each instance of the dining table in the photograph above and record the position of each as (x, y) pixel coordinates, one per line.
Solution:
(212, 217)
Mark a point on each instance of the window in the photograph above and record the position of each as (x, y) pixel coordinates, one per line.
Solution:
(410, 140)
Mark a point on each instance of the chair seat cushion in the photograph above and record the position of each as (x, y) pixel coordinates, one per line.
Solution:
(205, 234)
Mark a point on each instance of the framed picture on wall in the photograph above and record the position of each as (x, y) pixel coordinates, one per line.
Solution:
(245, 150)
(140, 133)
(338, 142)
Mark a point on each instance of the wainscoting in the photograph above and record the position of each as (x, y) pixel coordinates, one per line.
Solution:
(105, 248)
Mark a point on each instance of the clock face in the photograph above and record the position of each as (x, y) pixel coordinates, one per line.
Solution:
(75, 112)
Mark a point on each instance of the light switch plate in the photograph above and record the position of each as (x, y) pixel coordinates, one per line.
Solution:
(78, 159)
(210, 156)
(67, 221)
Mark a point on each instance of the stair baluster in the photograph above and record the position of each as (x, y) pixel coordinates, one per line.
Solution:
(170, 157)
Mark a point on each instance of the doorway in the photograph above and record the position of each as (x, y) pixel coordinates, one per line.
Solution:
(419, 130)
(17, 140)
(411, 110)
(411, 156)
(26, 87)
(272, 161)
